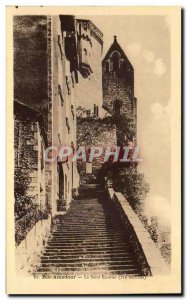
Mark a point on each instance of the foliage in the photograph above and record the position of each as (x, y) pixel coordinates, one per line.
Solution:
(125, 125)
(27, 213)
(26, 223)
(23, 203)
(127, 180)
(165, 250)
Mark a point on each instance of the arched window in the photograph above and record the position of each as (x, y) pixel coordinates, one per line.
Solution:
(117, 107)
(115, 60)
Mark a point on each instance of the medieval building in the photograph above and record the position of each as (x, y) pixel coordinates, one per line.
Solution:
(118, 102)
(66, 96)
(118, 84)
(57, 68)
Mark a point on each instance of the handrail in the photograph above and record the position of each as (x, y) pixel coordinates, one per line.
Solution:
(148, 256)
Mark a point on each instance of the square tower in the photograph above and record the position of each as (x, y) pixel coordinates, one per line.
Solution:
(118, 81)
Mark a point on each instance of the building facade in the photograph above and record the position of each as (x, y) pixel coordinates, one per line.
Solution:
(30, 142)
(118, 81)
(90, 46)
(65, 180)
(45, 75)
(57, 67)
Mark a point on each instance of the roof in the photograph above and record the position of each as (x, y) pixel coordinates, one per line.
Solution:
(96, 32)
(116, 47)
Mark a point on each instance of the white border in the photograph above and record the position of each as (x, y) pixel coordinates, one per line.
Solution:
(4, 3)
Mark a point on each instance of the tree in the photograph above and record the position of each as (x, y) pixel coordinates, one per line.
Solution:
(126, 126)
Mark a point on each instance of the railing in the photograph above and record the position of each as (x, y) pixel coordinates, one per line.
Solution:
(26, 223)
(144, 249)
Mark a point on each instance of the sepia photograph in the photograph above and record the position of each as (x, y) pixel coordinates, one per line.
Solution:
(95, 149)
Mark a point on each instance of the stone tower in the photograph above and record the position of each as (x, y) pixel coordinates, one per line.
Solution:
(118, 82)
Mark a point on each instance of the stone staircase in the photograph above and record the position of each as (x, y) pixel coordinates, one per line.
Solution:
(89, 239)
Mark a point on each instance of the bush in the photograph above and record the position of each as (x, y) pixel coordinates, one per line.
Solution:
(127, 180)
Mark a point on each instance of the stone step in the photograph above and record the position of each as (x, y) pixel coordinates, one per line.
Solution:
(87, 261)
(87, 225)
(84, 230)
(89, 239)
(86, 234)
(125, 257)
(88, 221)
(82, 247)
(85, 238)
(103, 229)
(91, 234)
(90, 210)
(124, 268)
(87, 274)
(100, 252)
(86, 244)
(80, 274)
(96, 265)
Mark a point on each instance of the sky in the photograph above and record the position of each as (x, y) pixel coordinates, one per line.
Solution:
(146, 42)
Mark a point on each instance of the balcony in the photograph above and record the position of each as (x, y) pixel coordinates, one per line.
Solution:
(85, 69)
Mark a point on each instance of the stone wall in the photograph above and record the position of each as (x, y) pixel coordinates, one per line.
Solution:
(148, 255)
(26, 152)
(29, 146)
(94, 132)
(116, 87)
(29, 251)
(32, 73)
(30, 62)
(48, 62)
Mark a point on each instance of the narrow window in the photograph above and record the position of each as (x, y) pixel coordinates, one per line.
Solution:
(66, 187)
(85, 52)
(115, 60)
(61, 183)
(117, 107)
(107, 66)
(95, 110)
